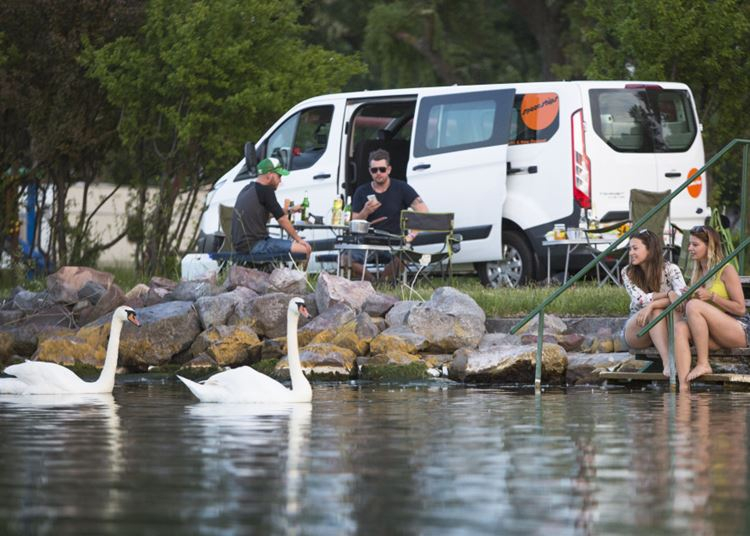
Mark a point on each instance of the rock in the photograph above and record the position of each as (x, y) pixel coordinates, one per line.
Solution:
(136, 296)
(157, 282)
(493, 340)
(156, 295)
(265, 314)
(63, 286)
(91, 292)
(531, 338)
(398, 314)
(191, 290)
(201, 362)
(396, 366)
(398, 339)
(378, 304)
(326, 361)
(332, 289)
(288, 281)
(570, 341)
(512, 364)
(255, 280)
(553, 325)
(584, 369)
(356, 335)
(332, 318)
(112, 298)
(30, 302)
(228, 345)
(69, 350)
(10, 317)
(216, 310)
(167, 330)
(449, 320)
(273, 349)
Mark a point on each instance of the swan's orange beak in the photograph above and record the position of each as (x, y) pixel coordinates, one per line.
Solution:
(134, 320)
(303, 310)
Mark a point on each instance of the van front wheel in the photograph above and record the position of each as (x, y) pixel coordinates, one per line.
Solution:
(514, 269)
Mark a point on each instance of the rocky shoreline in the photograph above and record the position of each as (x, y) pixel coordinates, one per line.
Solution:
(198, 327)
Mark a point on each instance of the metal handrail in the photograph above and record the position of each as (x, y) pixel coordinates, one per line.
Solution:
(539, 309)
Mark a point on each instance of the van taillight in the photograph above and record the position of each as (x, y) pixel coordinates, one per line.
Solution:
(581, 162)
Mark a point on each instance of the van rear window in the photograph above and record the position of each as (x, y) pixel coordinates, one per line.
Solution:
(644, 120)
(535, 118)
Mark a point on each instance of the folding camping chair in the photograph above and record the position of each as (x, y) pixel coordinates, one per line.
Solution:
(434, 229)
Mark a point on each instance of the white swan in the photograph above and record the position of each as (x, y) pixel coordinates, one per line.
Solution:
(42, 378)
(247, 385)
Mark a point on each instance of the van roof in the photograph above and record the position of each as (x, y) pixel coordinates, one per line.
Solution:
(520, 86)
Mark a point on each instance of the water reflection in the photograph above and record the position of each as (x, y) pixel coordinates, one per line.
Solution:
(253, 431)
(376, 459)
(44, 439)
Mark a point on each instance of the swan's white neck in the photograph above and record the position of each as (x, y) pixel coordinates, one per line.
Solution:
(299, 381)
(107, 377)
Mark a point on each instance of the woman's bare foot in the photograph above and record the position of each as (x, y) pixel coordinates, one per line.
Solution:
(666, 372)
(699, 371)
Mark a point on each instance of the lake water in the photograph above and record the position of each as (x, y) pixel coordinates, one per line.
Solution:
(428, 458)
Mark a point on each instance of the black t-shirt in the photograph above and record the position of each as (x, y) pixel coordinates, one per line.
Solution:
(255, 204)
(399, 196)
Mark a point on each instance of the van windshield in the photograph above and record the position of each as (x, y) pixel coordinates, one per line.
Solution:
(644, 120)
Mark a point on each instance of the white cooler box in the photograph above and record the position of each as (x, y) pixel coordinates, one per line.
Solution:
(198, 266)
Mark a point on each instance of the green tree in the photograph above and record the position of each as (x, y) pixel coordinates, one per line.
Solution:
(199, 79)
(699, 42)
(56, 121)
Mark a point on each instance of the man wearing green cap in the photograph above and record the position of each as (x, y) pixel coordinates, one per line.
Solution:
(256, 203)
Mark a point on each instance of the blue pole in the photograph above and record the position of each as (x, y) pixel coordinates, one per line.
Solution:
(31, 195)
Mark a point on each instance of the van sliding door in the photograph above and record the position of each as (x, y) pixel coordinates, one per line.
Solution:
(458, 161)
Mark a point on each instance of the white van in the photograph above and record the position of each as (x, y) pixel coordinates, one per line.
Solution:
(510, 160)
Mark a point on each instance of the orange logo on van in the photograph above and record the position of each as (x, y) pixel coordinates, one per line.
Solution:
(695, 187)
(539, 110)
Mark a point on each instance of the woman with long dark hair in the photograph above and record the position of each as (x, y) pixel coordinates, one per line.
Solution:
(716, 312)
(653, 284)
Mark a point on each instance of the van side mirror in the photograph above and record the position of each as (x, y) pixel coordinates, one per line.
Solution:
(251, 159)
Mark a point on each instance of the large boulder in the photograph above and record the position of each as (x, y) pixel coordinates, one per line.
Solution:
(379, 304)
(398, 339)
(288, 281)
(112, 298)
(509, 364)
(167, 330)
(553, 325)
(216, 310)
(449, 320)
(584, 369)
(330, 321)
(64, 285)
(332, 289)
(29, 302)
(228, 345)
(265, 314)
(357, 334)
(69, 350)
(136, 297)
(255, 280)
(399, 313)
(192, 290)
(327, 361)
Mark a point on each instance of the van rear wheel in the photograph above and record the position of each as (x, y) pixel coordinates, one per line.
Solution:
(514, 269)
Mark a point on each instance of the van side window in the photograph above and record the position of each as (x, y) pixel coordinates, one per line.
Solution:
(643, 120)
(300, 140)
(459, 121)
(535, 118)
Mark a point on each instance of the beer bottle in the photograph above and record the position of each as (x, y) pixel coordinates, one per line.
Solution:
(347, 215)
(305, 208)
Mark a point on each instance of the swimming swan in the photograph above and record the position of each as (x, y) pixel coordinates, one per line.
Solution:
(42, 378)
(247, 385)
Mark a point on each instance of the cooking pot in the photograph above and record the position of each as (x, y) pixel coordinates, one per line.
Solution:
(359, 226)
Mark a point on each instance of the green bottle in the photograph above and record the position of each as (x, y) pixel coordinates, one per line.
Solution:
(305, 208)
(347, 215)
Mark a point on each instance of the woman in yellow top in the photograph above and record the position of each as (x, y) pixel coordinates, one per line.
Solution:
(716, 312)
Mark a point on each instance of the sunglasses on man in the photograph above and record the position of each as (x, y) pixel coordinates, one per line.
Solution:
(381, 169)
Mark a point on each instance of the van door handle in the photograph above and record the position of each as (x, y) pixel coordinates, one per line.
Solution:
(512, 171)
(420, 167)
(321, 176)
(673, 174)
